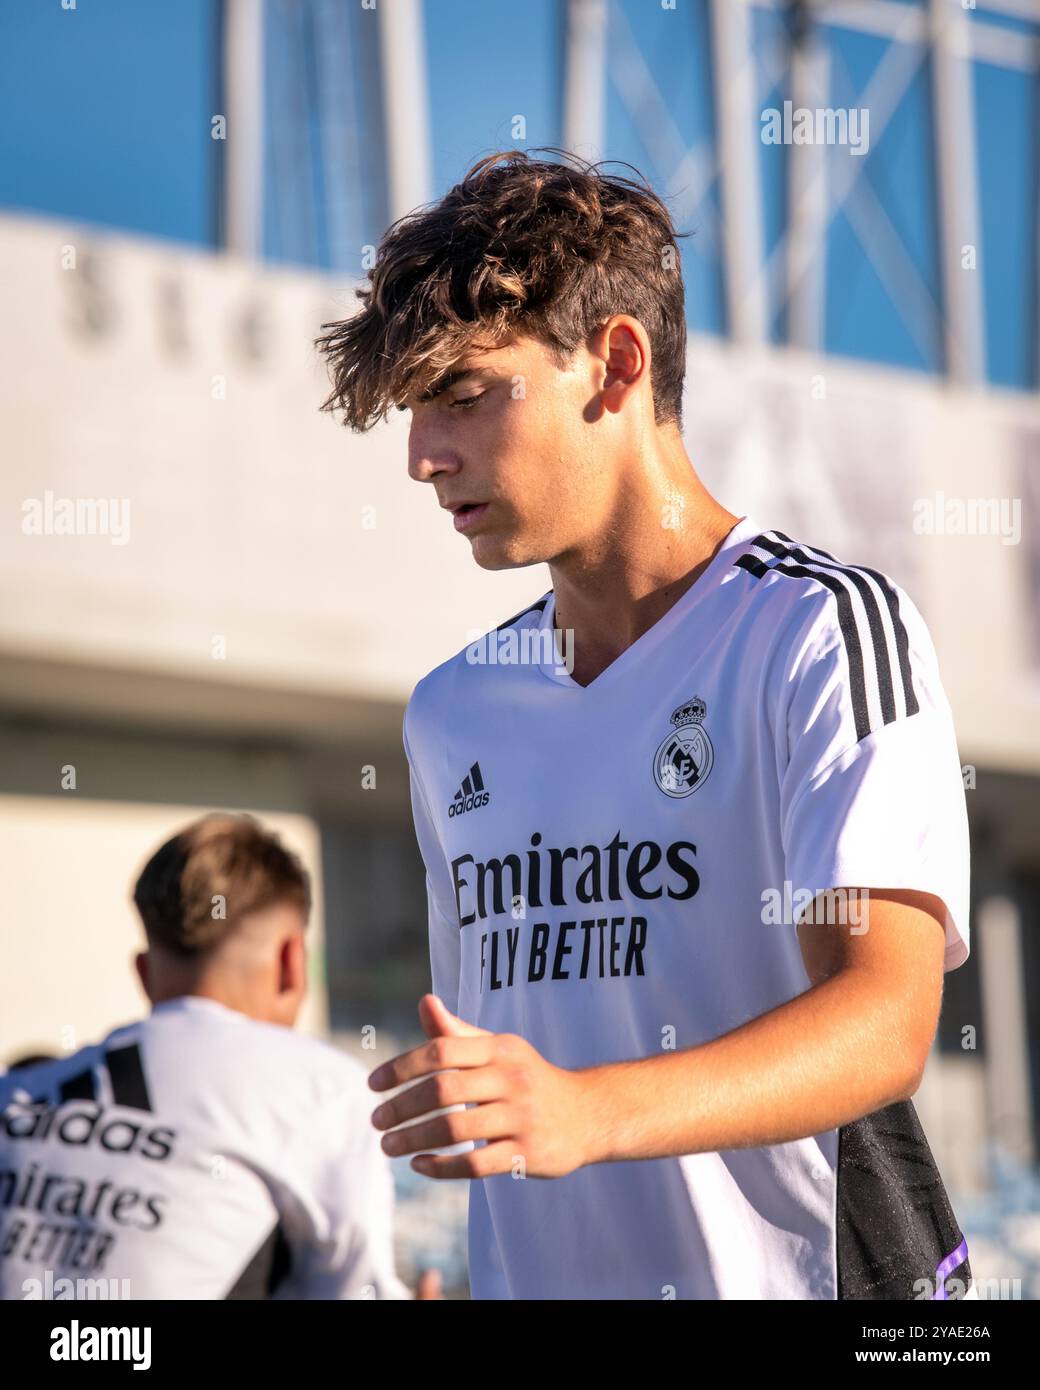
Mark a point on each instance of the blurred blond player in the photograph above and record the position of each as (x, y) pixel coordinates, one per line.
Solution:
(207, 1151)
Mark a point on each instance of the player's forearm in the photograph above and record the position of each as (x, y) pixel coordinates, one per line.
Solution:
(843, 1049)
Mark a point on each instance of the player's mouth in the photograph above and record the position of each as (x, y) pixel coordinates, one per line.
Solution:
(467, 514)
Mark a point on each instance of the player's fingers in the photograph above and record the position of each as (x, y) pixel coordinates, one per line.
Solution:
(436, 1055)
(438, 1020)
(493, 1121)
(438, 1092)
(478, 1163)
(430, 1285)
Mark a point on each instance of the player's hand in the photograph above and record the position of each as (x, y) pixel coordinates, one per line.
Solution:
(430, 1286)
(530, 1113)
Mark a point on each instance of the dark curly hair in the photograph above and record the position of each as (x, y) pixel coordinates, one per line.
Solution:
(546, 249)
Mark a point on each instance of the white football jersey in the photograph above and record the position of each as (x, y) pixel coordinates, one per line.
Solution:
(196, 1154)
(617, 869)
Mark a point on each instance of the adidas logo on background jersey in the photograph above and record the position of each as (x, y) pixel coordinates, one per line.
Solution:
(471, 795)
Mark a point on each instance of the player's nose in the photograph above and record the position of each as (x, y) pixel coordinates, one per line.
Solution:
(427, 458)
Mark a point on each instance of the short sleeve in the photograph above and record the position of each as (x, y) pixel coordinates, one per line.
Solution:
(442, 915)
(872, 794)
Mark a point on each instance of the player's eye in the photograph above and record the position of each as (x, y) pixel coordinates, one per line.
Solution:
(464, 402)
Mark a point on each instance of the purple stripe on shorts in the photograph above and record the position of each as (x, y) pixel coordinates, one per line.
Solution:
(947, 1266)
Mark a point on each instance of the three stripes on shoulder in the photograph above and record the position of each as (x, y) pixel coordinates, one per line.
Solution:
(876, 642)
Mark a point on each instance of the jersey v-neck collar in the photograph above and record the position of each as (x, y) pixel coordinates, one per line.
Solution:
(555, 670)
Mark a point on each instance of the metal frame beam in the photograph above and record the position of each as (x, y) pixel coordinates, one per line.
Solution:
(402, 44)
(957, 170)
(941, 31)
(585, 85)
(735, 99)
(807, 200)
(244, 143)
(905, 23)
(999, 925)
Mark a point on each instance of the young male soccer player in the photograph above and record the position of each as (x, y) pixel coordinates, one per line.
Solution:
(207, 1151)
(635, 998)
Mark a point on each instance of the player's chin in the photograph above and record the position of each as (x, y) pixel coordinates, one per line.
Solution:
(501, 552)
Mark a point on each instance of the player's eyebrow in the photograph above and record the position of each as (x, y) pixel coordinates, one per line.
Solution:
(444, 384)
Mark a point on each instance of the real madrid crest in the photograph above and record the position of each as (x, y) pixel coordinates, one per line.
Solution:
(685, 757)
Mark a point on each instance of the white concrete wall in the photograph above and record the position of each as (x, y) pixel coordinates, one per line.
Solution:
(248, 514)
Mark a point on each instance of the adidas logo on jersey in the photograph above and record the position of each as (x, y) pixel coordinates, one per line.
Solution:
(471, 795)
(80, 1123)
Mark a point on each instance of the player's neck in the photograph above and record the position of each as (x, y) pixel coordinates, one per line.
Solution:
(655, 547)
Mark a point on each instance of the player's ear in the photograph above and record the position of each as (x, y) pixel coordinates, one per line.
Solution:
(625, 349)
(141, 966)
(293, 965)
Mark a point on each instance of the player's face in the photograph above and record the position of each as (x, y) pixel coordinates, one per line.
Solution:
(510, 447)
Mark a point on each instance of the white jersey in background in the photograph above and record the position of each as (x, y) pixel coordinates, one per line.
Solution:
(618, 869)
(197, 1154)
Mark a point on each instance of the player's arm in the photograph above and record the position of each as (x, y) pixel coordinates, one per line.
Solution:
(856, 1041)
(442, 915)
